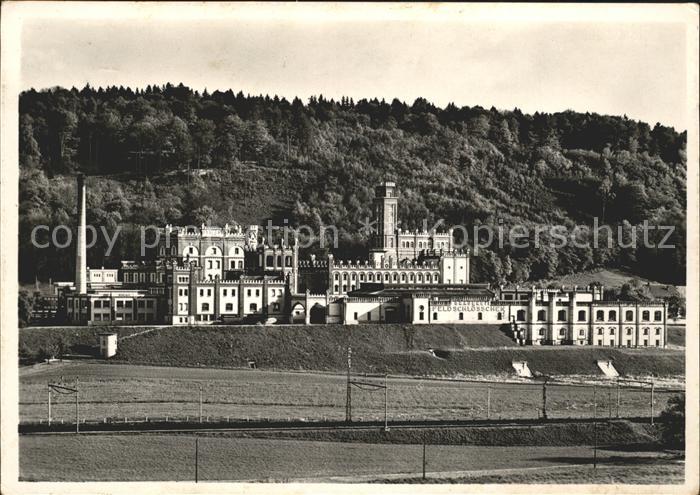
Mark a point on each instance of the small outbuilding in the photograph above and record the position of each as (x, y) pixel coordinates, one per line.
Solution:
(108, 344)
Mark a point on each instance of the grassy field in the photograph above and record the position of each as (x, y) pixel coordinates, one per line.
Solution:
(398, 349)
(117, 391)
(658, 473)
(171, 457)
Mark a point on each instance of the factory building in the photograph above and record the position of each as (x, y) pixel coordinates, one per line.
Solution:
(231, 274)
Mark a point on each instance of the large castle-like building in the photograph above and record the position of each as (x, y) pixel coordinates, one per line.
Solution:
(204, 275)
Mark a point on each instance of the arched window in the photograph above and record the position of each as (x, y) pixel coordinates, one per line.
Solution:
(562, 332)
(396, 277)
(420, 277)
(413, 277)
(362, 277)
(629, 315)
(499, 316)
(345, 276)
(461, 315)
(645, 315)
(657, 315)
(386, 277)
(582, 315)
(541, 315)
(370, 277)
(479, 316)
(599, 315)
(428, 278)
(541, 332)
(612, 315)
(520, 315)
(561, 315)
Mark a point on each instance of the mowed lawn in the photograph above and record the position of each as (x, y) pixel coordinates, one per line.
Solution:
(172, 457)
(119, 392)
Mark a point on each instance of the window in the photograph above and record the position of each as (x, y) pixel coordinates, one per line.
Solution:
(561, 315)
(629, 315)
(208, 292)
(645, 331)
(629, 331)
(562, 332)
(600, 315)
(225, 292)
(520, 315)
(612, 343)
(612, 315)
(541, 332)
(98, 304)
(657, 315)
(479, 316)
(645, 315)
(191, 250)
(248, 292)
(201, 292)
(253, 307)
(205, 306)
(600, 342)
(421, 314)
(141, 304)
(435, 316)
(229, 307)
(499, 316)
(658, 331)
(581, 332)
(276, 306)
(209, 263)
(369, 316)
(612, 331)
(541, 315)
(461, 316)
(600, 330)
(257, 292)
(269, 261)
(240, 264)
(657, 343)
(582, 315)
(287, 261)
(355, 316)
(279, 260)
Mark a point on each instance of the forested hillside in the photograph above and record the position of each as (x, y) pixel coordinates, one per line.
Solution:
(317, 162)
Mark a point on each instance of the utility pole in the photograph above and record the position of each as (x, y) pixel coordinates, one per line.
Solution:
(651, 403)
(196, 460)
(200, 402)
(386, 404)
(348, 398)
(595, 403)
(423, 458)
(595, 428)
(77, 416)
(49, 387)
(544, 398)
(609, 402)
(618, 398)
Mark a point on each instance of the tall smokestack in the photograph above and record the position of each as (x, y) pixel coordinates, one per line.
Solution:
(81, 250)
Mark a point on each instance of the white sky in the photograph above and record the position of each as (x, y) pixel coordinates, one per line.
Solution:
(534, 62)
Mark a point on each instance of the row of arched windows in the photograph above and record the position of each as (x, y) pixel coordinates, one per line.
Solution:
(388, 277)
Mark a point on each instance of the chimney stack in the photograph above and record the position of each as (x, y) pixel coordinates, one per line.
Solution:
(81, 250)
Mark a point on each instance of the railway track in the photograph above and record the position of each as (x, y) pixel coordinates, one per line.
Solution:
(222, 427)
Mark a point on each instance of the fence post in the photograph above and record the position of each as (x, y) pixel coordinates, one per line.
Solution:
(651, 401)
(423, 458)
(49, 422)
(77, 415)
(618, 398)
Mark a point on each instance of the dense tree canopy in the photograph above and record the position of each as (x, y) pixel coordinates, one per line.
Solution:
(261, 157)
